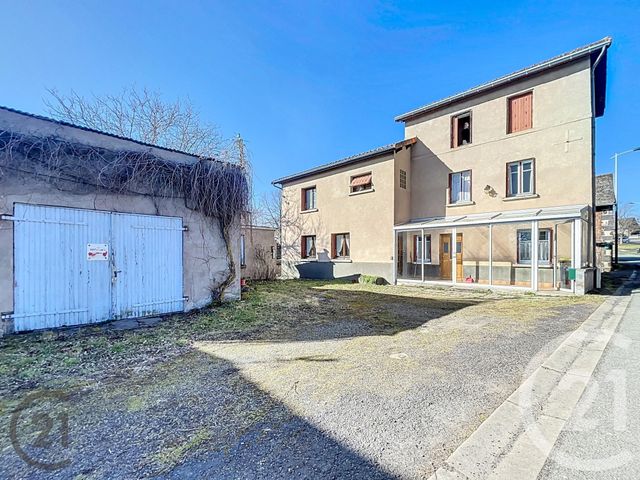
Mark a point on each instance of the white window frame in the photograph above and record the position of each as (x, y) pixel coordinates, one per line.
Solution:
(347, 239)
(460, 177)
(520, 176)
(310, 193)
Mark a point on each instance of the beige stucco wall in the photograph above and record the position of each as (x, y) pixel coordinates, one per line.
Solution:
(260, 245)
(561, 110)
(204, 254)
(367, 217)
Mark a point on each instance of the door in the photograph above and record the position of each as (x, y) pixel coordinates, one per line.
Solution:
(459, 273)
(54, 283)
(445, 256)
(147, 265)
(75, 266)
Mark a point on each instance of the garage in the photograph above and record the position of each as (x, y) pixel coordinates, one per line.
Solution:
(77, 266)
(95, 227)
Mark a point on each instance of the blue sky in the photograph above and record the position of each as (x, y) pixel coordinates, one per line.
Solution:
(310, 82)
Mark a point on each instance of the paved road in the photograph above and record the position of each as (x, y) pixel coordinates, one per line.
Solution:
(602, 438)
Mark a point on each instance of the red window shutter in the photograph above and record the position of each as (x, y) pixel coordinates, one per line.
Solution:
(521, 112)
(454, 132)
(333, 246)
(415, 248)
(303, 253)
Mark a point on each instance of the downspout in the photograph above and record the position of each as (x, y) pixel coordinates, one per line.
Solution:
(593, 155)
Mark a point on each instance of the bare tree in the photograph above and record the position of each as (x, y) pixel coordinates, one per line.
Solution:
(145, 116)
(266, 210)
(627, 221)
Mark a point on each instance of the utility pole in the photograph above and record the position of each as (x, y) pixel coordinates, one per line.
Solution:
(242, 160)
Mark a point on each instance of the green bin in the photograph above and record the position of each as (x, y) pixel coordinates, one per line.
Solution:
(571, 272)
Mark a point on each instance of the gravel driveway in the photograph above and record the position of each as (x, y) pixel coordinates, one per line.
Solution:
(343, 381)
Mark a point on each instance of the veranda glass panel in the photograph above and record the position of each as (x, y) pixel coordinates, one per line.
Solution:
(554, 253)
(472, 255)
(409, 255)
(511, 254)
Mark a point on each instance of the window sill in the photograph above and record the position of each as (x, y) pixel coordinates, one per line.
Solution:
(342, 260)
(361, 192)
(520, 197)
(312, 210)
(309, 259)
(461, 204)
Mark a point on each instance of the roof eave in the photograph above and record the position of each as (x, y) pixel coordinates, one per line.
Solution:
(526, 72)
(348, 161)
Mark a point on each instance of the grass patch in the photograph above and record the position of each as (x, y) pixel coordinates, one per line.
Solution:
(169, 458)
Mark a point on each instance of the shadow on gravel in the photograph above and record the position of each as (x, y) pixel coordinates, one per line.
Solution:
(195, 418)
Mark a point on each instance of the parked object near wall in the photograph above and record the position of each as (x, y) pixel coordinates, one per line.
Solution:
(96, 226)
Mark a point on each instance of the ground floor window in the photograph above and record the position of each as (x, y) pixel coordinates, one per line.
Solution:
(418, 240)
(308, 246)
(544, 246)
(341, 245)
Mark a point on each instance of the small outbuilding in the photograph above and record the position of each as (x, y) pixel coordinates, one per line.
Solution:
(97, 227)
(259, 252)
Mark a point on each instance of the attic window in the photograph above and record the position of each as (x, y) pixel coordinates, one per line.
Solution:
(461, 130)
(361, 183)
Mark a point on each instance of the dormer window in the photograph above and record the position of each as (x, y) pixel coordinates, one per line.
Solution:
(461, 129)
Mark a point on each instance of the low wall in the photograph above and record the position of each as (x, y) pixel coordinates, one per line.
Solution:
(336, 270)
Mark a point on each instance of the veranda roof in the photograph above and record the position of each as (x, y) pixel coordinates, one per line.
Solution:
(511, 216)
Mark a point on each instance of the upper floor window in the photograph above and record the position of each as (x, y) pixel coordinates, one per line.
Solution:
(520, 178)
(309, 198)
(308, 246)
(460, 187)
(461, 129)
(520, 112)
(403, 179)
(361, 183)
(340, 245)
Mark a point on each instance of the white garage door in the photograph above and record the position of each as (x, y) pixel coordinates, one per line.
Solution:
(74, 266)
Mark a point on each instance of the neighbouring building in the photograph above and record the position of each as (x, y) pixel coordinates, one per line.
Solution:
(605, 221)
(83, 238)
(259, 252)
(493, 186)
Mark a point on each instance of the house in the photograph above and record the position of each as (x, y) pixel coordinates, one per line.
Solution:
(259, 252)
(96, 226)
(606, 221)
(493, 186)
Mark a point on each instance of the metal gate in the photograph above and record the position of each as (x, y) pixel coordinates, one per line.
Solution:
(75, 266)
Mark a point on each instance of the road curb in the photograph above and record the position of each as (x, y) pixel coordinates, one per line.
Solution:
(517, 438)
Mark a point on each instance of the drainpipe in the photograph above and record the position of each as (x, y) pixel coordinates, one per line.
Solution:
(593, 155)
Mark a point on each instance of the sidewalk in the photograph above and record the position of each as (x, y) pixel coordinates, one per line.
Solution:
(601, 440)
(532, 435)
